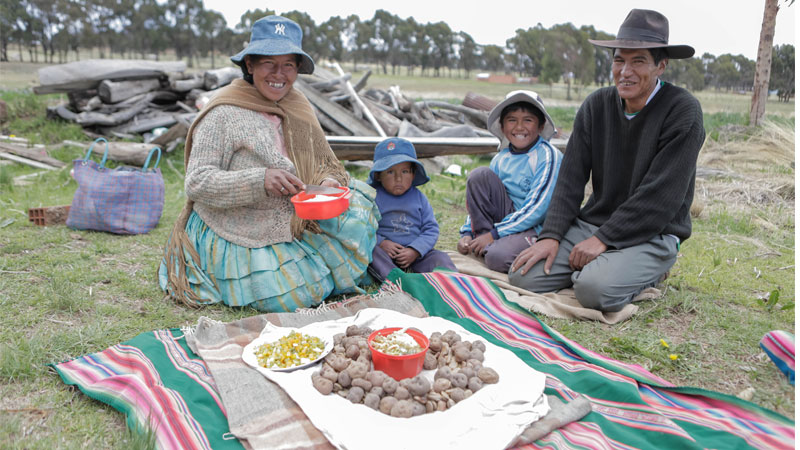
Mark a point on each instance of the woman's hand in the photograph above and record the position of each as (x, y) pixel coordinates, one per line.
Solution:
(330, 182)
(279, 182)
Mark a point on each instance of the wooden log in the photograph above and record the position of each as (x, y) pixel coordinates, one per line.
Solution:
(36, 154)
(213, 79)
(117, 91)
(80, 98)
(196, 82)
(362, 81)
(328, 85)
(143, 124)
(479, 102)
(360, 148)
(387, 121)
(88, 118)
(88, 74)
(336, 112)
(478, 116)
(177, 131)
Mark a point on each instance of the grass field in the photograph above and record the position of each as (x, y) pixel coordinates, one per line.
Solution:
(66, 293)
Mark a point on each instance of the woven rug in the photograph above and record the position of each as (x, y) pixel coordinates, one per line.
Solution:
(157, 378)
(631, 407)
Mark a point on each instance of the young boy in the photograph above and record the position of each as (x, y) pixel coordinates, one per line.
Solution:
(507, 201)
(407, 230)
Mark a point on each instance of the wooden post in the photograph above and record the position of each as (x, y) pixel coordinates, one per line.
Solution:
(763, 64)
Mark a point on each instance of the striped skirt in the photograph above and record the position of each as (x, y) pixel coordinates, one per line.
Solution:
(286, 276)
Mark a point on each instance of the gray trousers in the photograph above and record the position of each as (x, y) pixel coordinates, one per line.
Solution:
(611, 280)
(488, 203)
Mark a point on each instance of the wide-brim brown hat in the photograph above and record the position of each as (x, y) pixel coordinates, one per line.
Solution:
(644, 28)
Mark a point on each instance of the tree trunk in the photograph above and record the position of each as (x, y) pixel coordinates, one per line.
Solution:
(763, 64)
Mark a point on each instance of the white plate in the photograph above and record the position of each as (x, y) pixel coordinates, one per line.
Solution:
(272, 333)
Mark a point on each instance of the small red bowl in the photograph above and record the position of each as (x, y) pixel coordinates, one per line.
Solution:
(321, 210)
(399, 366)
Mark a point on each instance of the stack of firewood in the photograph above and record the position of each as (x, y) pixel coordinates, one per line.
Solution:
(124, 97)
(159, 100)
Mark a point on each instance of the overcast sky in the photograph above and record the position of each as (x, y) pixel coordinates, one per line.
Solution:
(714, 26)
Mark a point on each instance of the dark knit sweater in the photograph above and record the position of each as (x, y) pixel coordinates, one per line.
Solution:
(642, 169)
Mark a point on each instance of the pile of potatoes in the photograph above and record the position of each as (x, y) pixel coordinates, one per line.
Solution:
(347, 371)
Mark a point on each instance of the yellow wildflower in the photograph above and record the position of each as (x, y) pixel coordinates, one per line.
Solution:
(673, 356)
(664, 343)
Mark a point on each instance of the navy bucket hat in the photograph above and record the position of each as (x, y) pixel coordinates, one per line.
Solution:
(393, 151)
(276, 35)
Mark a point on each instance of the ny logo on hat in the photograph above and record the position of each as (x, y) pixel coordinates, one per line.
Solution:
(280, 29)
(390, 146)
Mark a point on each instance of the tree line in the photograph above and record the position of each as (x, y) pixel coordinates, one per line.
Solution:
(150, 28)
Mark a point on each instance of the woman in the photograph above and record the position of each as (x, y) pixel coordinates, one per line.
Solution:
(251, 148)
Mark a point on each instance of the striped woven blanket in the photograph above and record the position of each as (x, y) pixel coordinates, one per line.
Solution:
(157, 378)
(632, 408)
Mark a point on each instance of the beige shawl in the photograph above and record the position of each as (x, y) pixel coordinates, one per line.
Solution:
(307, 148)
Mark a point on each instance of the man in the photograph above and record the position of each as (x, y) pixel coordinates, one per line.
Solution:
(638, 141)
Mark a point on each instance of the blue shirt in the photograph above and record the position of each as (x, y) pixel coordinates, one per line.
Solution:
(529, 179)
(407, 220)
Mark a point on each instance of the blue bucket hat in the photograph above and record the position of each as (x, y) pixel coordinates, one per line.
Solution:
(393, 151)
(275, 35)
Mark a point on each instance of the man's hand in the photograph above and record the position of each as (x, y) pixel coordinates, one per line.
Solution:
(542, 249)
(391, 248)
(463, 244)
(585, 252)
(479, 244)
(405, 257)
(330, 182)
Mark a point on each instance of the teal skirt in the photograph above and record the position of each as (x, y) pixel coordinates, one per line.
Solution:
(286, 276)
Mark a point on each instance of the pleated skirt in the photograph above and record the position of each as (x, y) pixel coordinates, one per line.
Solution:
(286, 276)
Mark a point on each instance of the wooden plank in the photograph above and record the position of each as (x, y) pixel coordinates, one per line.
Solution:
(26, 161)
(87, 74)
(30, 153)
(216, 78)
(359, 148)
(336, 112)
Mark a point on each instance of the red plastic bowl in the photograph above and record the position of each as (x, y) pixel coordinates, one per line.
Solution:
(399, 366)
(321, 210)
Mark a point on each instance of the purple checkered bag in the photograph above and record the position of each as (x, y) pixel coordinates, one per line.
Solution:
(122, 200)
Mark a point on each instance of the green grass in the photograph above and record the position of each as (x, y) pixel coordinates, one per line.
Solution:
(66, 293)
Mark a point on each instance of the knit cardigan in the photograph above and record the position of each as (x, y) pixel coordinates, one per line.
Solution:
(642, 169)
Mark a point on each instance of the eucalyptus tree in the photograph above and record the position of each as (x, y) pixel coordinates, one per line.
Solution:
(602, 56)
(148, 27)
(183, 17)
(527, 48)
(782, 71)
(385, 46)
(571, 47)
(12, 25)
(328, 39)
(441, 38)
(210, 25)
(492, 58)
(467, 51)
